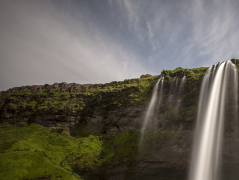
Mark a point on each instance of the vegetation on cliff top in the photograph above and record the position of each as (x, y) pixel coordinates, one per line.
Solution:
(110, 96)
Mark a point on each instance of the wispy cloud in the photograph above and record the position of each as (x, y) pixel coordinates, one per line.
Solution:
(48, 44)
(101, 41)
(195, 33)
(214, 29)
(151, 35)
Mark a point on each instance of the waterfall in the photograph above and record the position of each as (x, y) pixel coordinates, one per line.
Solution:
(172, 86)
(160, 93)
(210, 121)
(182, 84)
(155, 98)
(159, 103)
(172, 91)
(181, 88)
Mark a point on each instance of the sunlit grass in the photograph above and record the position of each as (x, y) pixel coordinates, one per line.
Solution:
(34, 152)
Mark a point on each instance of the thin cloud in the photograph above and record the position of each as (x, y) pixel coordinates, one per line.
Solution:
(151, 35)
(44, 49)
(101, 41)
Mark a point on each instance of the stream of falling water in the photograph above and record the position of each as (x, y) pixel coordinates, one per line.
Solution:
(152, 107)
(182, 84)
(159, 103)
(181, 88)
(210, 121)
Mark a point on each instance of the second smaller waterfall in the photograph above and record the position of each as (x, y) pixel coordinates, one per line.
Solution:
(182, 84)
(152, 107)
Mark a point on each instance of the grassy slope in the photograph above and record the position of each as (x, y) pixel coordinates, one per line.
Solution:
(34, 152)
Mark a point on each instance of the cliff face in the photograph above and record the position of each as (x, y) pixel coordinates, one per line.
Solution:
(115, 112)
(66, 105)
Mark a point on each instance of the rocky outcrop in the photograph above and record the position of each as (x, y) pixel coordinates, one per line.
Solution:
(71, 87)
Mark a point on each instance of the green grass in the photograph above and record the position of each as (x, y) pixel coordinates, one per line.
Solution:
(86, 156)
(34, 152)
(19, 165)
(123, 148)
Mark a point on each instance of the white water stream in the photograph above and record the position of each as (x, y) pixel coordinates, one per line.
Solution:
(151, 108)
(210, 121)
(182, 84)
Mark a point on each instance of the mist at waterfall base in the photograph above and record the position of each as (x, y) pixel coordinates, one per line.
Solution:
(218, 89)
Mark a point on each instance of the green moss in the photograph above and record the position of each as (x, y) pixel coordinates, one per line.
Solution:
(126, 147)
(33, 152)
(38, 153)
(237, 62)
(31, 105)
(86, 156)
(168, 78)
(114, 95)
(30, 165)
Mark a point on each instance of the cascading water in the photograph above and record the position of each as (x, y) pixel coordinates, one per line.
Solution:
(181, 88)
(172, 90)
(182, 84)
(172, 86)
(152, 106)
(160, 93)
(159, 102)
(210, 121)
(176, 85)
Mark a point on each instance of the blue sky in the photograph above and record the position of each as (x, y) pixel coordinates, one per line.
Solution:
(99, 41)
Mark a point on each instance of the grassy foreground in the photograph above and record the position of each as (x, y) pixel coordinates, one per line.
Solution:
(33, 152)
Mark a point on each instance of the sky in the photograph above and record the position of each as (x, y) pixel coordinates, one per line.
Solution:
(99, 41)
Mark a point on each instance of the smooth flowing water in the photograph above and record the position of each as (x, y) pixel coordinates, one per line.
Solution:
(210, 121)
(159, 103)
(182, 84)
(160, 93)
(152, 107)
(180, 91)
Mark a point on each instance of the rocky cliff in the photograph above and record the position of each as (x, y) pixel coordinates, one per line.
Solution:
(66, 105)
(115, 112)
